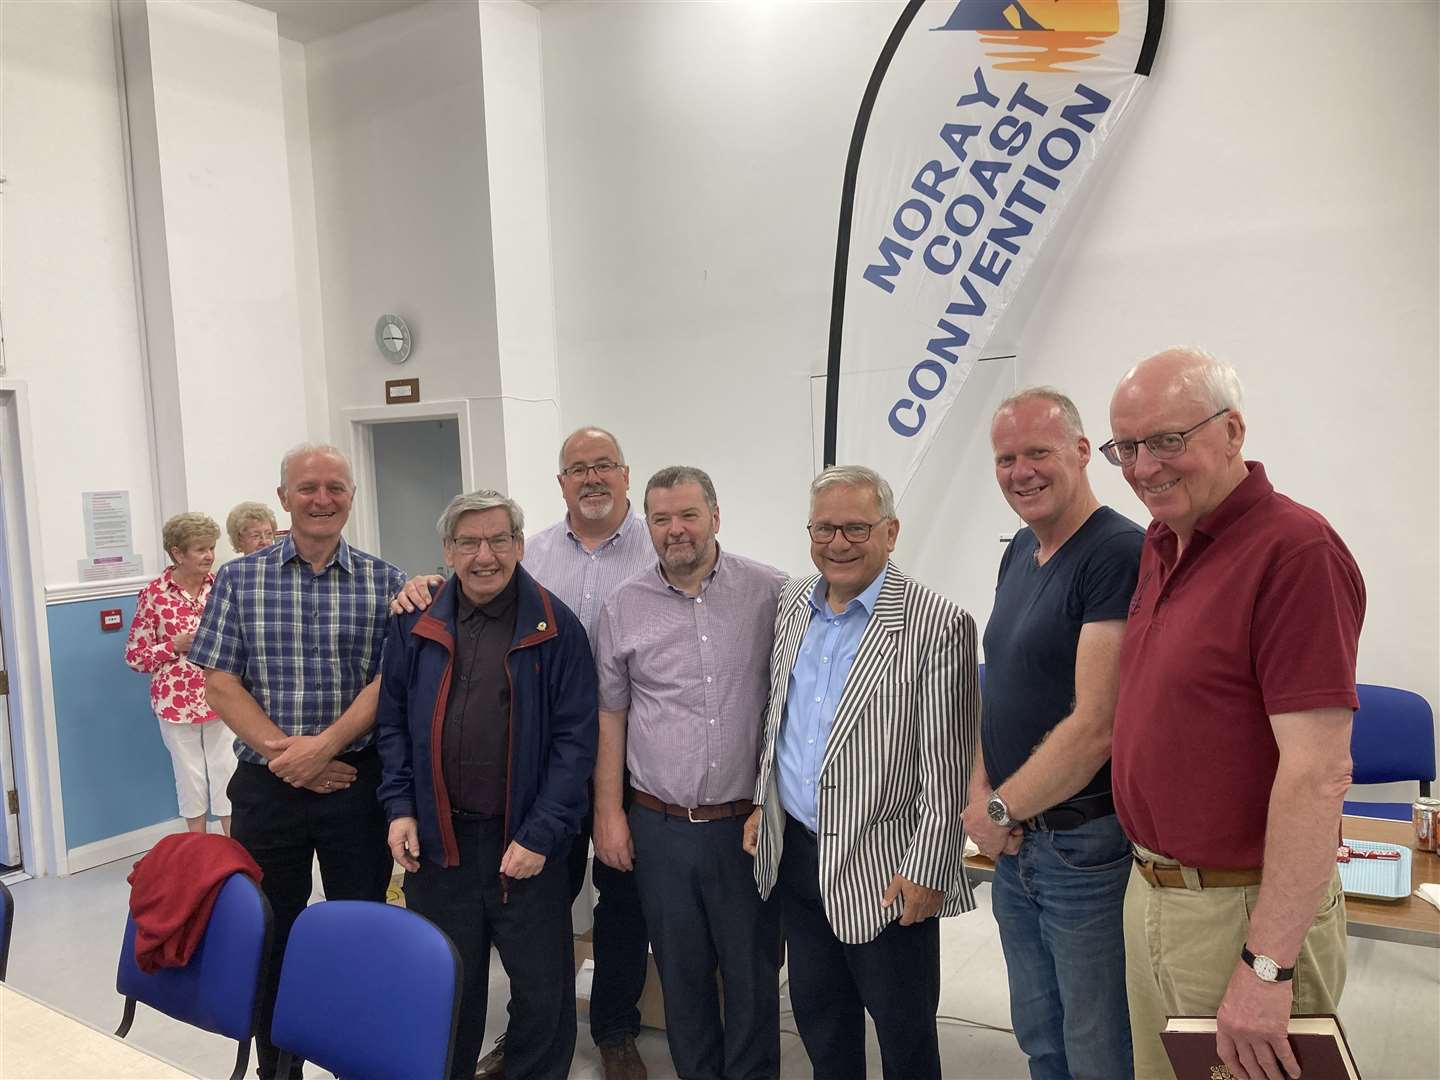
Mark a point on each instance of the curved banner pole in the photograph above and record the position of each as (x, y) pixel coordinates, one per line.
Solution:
(978, 125)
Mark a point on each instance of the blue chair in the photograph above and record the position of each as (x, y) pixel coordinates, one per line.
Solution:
(219, 989)
(1392, 739)
(368, 991)
(7, 921)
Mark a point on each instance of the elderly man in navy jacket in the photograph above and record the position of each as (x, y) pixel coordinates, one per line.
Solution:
(487, 729)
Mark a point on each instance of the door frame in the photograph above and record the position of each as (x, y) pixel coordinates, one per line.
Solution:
(364, 514)
(27, 643)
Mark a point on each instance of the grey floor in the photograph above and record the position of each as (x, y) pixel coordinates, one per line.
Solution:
(68, 930)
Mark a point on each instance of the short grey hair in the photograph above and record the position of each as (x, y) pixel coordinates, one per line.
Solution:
(484, 499)
(1068, 412)
(856, 476)
(675, 475)
(248, 513)
(1216, 378)
(591, 430)
(307, 448)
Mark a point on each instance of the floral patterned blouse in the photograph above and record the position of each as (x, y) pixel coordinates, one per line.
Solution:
(177, 687)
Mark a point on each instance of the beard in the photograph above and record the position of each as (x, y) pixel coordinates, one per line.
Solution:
(595, 511)
(684, 558)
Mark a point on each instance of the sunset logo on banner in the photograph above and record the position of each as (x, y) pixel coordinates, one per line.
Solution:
(979, 122)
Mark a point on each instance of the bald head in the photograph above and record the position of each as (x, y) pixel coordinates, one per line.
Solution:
(1184, 374)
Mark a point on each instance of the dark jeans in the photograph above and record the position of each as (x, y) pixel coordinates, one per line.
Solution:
(528, 921)
(1060, 904)
(697, 886)
(895, 977)
(621, 944)
(285, 829)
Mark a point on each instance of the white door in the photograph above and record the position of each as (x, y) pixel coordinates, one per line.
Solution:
(10, 817)
(416, 473)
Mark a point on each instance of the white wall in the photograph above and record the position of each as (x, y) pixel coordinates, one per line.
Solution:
(67, 287)
(1277, 205)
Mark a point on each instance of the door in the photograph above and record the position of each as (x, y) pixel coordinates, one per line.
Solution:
(417, 472)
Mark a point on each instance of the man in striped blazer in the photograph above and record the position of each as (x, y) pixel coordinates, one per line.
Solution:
(874, 702)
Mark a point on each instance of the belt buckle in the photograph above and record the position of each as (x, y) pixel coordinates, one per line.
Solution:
(690, 813)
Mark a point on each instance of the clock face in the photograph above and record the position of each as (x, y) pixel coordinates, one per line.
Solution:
(392, 337)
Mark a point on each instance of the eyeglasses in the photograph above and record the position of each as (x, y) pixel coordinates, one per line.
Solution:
(601, 468)
(1164, 445)
(500, 543)
(857, 532)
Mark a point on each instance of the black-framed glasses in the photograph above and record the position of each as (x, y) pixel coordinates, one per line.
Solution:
(500, 543)
(857, 532)
(1163, 445)
(601, 468)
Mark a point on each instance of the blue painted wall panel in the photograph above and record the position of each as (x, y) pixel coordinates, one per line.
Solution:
(115, 772)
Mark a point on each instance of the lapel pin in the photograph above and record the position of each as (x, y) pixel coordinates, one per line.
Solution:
(540, 626)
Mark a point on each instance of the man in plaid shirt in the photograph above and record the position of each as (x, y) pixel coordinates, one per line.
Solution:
(290, 641)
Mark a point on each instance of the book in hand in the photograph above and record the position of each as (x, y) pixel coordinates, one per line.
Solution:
(1318, 1042)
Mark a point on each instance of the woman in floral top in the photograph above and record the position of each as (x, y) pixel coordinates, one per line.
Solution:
(201, 746)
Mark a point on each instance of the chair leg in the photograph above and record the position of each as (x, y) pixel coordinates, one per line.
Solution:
(127, 1019)
(282, 1064)
(242, 1059)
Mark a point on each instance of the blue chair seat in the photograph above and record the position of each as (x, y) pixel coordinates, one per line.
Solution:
(219, 989)
(368, 991)
(1391, 811)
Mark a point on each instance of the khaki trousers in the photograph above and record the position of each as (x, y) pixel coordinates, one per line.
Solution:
(1182, 945)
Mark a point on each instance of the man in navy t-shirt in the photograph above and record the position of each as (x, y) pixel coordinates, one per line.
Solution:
(1040, 800)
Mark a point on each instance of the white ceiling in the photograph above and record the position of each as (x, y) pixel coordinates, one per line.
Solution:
(307, 20)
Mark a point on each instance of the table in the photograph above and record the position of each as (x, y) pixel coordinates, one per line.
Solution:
(1410, 921)
(38, 1041)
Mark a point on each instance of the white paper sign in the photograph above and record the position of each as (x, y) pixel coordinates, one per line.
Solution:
(107, 523)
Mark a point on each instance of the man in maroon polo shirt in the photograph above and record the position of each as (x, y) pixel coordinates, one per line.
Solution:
(1232, 731)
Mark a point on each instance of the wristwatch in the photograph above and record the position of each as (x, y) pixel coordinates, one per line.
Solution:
(1266, 969)
(998, 811)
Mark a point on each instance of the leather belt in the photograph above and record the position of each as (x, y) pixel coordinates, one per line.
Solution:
(714, 812)
(1073, 814)
(1161, 876)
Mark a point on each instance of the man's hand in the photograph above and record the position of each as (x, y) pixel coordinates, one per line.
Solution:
(181, 643)
(920, 903)
(416, 595)
(301, 758)
(613, 845)
(992, 840)
(404, 843)
(521, 862)
(751, 840)
(1251, 1027)
(336, 776)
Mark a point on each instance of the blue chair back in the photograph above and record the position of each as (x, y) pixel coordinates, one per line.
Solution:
(7, 922)
(368, 991)
(219, 989)
(1392, 737)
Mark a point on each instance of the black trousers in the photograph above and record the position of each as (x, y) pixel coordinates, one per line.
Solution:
(896, 978)
(285, 830)
(528, 922)
(621, 943)
(705, 916)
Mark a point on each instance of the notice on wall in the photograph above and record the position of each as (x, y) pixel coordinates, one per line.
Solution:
(107, 522)
(109, 540)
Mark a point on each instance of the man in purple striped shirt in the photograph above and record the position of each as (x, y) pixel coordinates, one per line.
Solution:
(683, 654)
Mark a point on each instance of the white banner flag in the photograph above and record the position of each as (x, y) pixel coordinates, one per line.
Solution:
(980, 121)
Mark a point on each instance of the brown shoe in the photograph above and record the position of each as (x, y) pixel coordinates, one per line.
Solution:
(492, 1065)
(621, 1059)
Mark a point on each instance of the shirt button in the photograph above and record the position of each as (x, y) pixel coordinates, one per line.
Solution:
(707, 678)
(704, 637)
(807, 783)
(587, 596)
(817, 701)
(824, 659)
(712, 764)
(699, 599)
(812, 742)
(594, 557)
(712, 721)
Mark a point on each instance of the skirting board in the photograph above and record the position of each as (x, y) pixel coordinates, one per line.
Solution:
(88, 856)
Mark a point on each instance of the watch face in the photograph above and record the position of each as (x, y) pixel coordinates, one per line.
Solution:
(996, 809)
(1266, 968)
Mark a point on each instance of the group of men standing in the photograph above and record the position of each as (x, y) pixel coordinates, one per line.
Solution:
(1163, 743)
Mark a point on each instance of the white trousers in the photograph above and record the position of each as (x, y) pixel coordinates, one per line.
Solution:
(204, 759)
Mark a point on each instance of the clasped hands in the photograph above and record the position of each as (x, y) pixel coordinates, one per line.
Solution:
(305, 761)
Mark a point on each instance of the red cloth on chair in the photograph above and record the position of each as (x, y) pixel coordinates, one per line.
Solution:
(172, 891)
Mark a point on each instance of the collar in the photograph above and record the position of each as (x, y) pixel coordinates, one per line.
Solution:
(626, 523)
(340, 558)
(168, 575)
(866, 599)
(497, 607)
(1255, 487)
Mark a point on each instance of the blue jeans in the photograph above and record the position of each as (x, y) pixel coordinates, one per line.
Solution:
(1060, 904)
